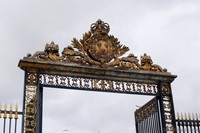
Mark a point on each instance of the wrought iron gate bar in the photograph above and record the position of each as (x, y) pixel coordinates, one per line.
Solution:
(8, 115)
(97, 84)
(188, 123)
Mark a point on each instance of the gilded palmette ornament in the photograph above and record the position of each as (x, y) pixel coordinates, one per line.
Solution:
(10, 114)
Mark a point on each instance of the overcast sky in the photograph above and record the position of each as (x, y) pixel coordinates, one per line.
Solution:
(168, 30)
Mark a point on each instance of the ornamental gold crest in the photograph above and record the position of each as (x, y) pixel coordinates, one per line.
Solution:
(96, 47)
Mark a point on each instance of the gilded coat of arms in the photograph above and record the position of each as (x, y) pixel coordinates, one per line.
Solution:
(96, 47)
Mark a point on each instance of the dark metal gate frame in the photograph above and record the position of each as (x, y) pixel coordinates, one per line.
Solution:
(147, 117)
(93, 64)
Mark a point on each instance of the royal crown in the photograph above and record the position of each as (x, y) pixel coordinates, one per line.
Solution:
(99, 27)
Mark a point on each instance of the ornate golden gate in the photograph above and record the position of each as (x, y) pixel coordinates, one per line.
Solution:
(94, 63)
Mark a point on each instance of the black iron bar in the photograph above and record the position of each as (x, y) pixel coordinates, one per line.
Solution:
(147, 125)
(190, 125)
(4, 126)
(157, 130)
(187, 125)
(179, 125)
(139, 128)
(142, 127)
(150, 124)
(158, 118)
(198, 125)
(183, 126)
(15, 125)
(10, 126)
(195, 127)
(153, 123)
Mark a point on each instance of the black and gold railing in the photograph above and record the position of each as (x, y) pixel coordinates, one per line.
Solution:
(188, 123)
(10, 114)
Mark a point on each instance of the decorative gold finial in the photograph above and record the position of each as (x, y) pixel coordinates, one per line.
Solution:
(5, 111)
(181, 116)
(193, 118)
(185, 115)
(16, 111)
(10, 115)
(178, 116)
(189, 116)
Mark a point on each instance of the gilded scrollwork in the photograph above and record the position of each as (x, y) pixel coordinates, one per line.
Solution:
(30, 112)
(97, 84)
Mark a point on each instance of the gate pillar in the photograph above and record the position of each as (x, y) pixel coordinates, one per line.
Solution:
(32, 106)
(167, 108)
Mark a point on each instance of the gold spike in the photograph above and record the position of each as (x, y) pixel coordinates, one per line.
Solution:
(189, 116)
(196, 116)
(185, 116)
(193, 116)
(181, 116)
(10, 115)
(5, 111)
(16, 111)
(178, 116)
